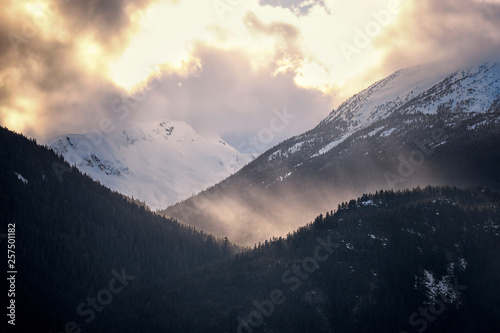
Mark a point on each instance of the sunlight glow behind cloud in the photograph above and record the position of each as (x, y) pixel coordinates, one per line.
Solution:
(70, 59)
(168, 31)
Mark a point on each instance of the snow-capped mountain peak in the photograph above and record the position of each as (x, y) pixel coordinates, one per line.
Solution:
(428, 83)
(159, 162)
(416, 90)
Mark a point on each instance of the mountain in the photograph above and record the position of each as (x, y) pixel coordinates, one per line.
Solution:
(74, 240)
(89, 260)
(419, 126)
(159, 163)
(411, 261)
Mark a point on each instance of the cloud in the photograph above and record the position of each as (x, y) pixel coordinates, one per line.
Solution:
(56, 79)
(452, 32)
(109, 21)
(226, 96)
(65, 63)
(298, 7)
(52, 56)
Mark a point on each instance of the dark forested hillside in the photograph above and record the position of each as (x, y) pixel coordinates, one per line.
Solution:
(89, 260)
(413, 261)
(72, 233)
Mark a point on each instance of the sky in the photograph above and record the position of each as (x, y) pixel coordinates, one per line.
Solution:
(246, 70)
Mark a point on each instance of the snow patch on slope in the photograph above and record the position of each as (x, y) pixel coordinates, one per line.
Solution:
(331, 145)
(388, 132)
(21, 178)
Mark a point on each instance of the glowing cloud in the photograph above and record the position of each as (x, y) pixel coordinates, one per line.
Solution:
(62, 62)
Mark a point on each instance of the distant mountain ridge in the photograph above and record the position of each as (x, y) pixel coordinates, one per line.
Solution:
(158, 162)
(419, 126)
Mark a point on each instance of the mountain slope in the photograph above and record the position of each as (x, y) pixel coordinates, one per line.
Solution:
(412, 261)
(419, 126)
(160, 163)
(73, 235)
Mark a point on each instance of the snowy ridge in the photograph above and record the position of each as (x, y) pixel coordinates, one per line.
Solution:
(158, 162)
(421, 89)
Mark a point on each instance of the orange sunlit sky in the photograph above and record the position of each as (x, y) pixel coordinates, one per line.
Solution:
(222, 66)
